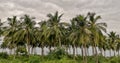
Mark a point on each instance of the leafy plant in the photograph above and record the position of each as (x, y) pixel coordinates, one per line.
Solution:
(57, 53)
(4, 55)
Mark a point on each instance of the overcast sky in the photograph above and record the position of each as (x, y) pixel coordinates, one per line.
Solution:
(108, 9)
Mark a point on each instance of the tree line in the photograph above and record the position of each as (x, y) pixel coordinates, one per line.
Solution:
(21, 35)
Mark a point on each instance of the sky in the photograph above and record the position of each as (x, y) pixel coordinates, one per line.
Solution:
(108, 9)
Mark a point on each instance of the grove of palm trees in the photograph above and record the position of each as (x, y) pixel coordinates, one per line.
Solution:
(83, 39)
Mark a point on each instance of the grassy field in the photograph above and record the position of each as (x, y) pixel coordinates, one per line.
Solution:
(4, 58)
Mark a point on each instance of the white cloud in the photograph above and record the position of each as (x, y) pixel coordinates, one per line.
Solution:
(108, 9)
(54, 7)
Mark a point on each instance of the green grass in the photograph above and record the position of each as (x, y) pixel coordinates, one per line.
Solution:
(58, 56)
(64, 59)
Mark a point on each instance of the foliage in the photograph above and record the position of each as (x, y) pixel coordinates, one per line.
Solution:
(39, 59)
(4, 55)
(58, 53)
(22, 36)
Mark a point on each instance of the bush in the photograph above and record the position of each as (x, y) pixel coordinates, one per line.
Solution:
(4, 55)
(57, 54)
(21, 50)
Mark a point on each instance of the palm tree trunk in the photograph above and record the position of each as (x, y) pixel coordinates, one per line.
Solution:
(59, 43)
(50, 49)
(66, 49)
(96, 54)
(35, 52)
(114, 52)
(32, 50)
(76, 51)
(10, 51)
(85, 49)
(2, 50)
(93, 50)
(28, 49)
(42, 51)
(104, 52)
(28, 43)
(101, 51)
(118, 52)
(110, 52)
(69, 49)
(82, 50)
(85, 54)
(73, 52)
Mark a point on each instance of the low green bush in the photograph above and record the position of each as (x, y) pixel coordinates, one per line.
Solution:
(57, 54)
(4, 55)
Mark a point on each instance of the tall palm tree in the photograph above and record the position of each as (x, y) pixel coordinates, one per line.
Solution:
(10, 31)
(74, 35)
(102, 43)
(118, 45)
(54, 25)
(35, 42)
(83, 33)
(41, 35)
(26, 31)
(112, 38)
(3, 45)
(96, 29)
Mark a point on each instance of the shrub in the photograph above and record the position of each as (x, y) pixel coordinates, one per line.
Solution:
(21, 50)
(57, 54)
(4, 55)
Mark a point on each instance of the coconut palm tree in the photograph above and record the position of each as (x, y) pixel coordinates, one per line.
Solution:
(102, 43)
(41, 35)
(1, 33)
(10, 31)
(54, 26)
(118, 44)
(96, 29)
(26, 31)
(74, 35)
(112, 38)
(83, 33)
